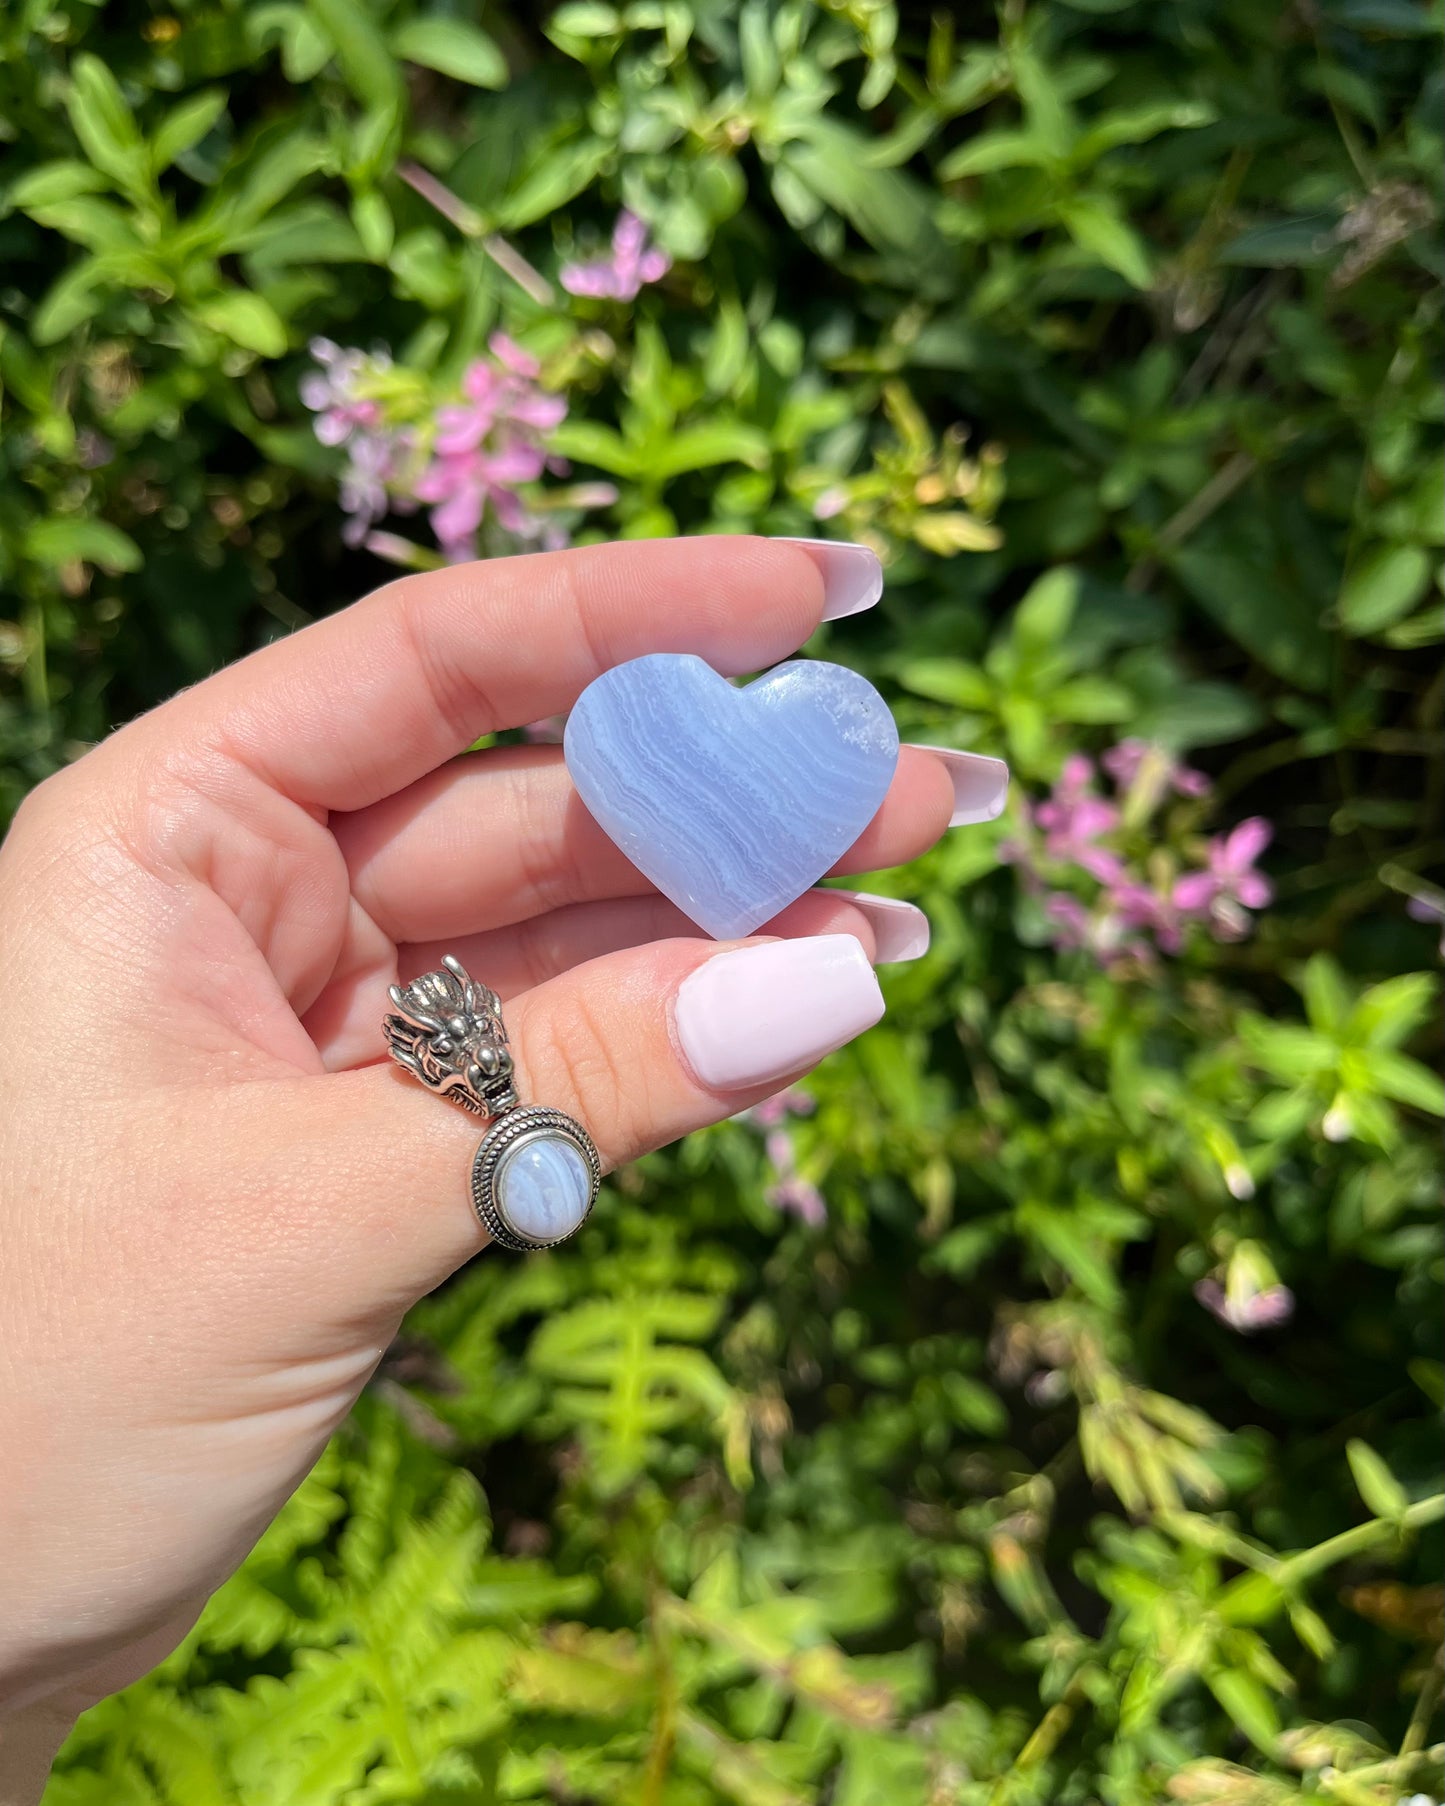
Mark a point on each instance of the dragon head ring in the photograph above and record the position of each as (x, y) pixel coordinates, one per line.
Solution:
(447, 1031)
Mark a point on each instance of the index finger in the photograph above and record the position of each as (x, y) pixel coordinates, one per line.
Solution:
(370, 699)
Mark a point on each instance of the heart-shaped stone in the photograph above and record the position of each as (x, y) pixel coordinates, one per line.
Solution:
(732, 801)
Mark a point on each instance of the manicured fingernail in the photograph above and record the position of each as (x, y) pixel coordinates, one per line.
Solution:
(852, 575)
(760, 1013)
(980, 784)
(900, 932)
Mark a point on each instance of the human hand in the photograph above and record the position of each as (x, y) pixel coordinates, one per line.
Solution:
(218, 1198)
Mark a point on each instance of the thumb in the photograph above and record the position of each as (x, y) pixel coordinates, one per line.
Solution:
(640, 1047)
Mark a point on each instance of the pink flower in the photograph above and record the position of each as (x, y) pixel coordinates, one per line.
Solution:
(486, 447)
(781, 1105)
(1250, 1312)
(1073, 818)
(621, 276)
(1141, 906)
(800, 1198)
(1124, 761)
(1229, 883)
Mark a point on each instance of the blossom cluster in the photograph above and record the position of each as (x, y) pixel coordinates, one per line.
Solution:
(467, 458)
(1114, 878)
(790, 1192)
(473, 458)
(621, 276)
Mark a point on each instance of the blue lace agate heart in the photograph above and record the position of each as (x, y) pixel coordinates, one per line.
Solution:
(733, 802)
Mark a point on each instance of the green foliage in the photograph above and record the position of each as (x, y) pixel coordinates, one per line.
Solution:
(1116, 329)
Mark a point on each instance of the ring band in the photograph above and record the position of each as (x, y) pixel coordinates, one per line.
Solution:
(536, 1174)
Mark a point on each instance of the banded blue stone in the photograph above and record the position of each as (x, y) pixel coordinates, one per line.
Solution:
(543, 1187)
(732, 801)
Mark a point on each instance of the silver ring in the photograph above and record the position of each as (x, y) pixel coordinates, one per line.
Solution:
(536, 1173)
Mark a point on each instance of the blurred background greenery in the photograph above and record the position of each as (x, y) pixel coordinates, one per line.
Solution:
(1043, 1406)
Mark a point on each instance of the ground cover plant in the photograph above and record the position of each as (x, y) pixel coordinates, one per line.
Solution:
(1043, 1404)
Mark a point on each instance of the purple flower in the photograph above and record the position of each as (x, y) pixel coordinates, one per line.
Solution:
(372, 461)
(1124, 761)
(1250, 1311)
(330, 390)
(782, 1104)
(1427, 909)
(1073, 818)
(800, 1198)
(1229, 883)
(621, 276)
(1101, 932)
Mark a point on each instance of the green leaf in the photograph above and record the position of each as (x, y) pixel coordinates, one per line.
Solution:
(553, 180)
(1249, 1704)
(1328, 998)
(1406, 1080)
(948, 680)
(1097, 226)
(1235, 571)
(1092, 701)
(1287, 1048)
(61, 180)
(1385, 584)
(246, 319)
(452, 47)
(991, 151)
(1136, 125)
(106, 126)
(186, 125)
(370, 70)
(1042, 618)
(585, 19)
(699, 447)
(89, 220)
(374, 225)
(77, 295)
(62, 539)
(1066, 1238)
(1379, 1488)
(891, 210)
(590, 442)
(1390, 1011)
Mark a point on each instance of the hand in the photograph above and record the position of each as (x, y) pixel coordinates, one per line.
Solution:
(218, 1197)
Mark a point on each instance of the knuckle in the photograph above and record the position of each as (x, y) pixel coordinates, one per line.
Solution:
(570, 1063)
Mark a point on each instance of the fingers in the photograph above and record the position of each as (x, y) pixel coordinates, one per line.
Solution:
(503, 837)
(343, 1024)
(640, 1046)
(370, 699)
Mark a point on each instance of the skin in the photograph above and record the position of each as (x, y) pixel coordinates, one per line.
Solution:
(217, 1196)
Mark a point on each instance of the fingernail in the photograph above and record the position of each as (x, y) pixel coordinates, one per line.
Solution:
(900, 932)
(852, 575)
(980, 784)
(760, 1013)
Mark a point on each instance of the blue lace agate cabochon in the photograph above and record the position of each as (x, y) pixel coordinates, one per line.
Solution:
(732, 801)
(543, 1186)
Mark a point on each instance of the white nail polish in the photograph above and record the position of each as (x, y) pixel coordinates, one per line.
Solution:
(980, 784)
(755, 1014)
(900, 931)
(852, 575)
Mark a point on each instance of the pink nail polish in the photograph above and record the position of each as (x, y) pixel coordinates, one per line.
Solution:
(852, 575)
(900, 931)
(980, 784)
(756, 1014)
